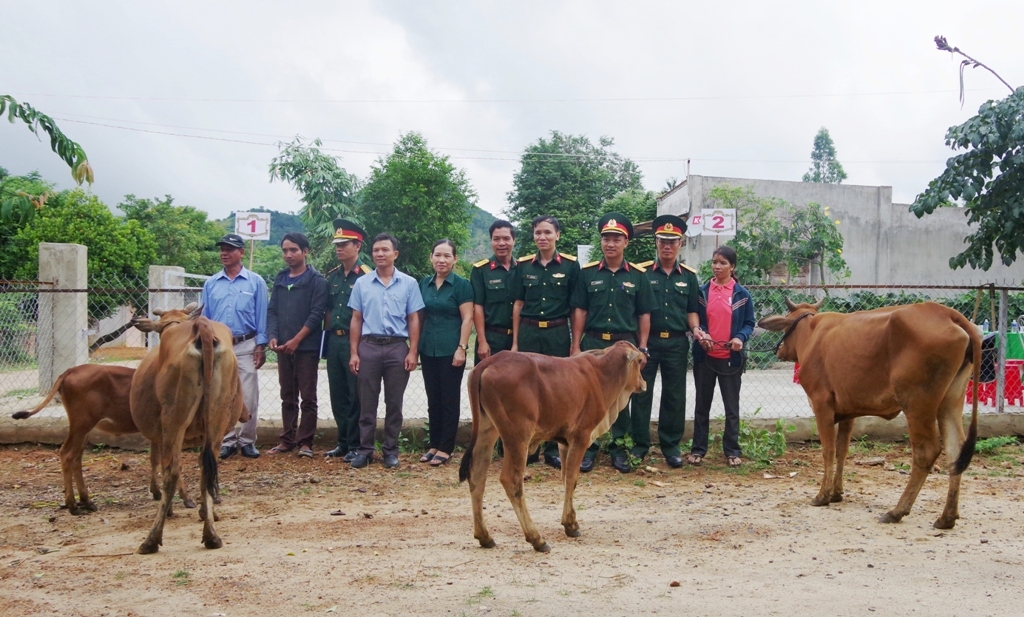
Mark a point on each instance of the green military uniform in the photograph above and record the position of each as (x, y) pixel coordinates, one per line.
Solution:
(677, 294)
(343, 385)
(493, 289)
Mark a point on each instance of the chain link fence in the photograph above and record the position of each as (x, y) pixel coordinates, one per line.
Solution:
(769, 386)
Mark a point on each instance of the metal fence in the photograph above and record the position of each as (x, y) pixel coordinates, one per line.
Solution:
(769, 389)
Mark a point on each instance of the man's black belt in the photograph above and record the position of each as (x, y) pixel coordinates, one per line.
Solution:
(663, 334)
(499, 330)
(611, 336)
(551, 323)
(382, 340)
(340, 332)
(241, 338)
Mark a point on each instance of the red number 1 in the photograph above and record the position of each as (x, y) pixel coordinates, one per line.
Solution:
(252, 226)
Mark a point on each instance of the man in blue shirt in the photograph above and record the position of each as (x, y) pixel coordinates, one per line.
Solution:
(237, 298)
(384, 307)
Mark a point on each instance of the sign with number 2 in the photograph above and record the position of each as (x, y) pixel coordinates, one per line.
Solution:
(718, 221)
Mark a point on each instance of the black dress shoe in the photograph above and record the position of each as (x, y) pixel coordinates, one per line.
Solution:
(533, 458)
(336, 452)
(553, 461)
(249, 451)
(674, 461)
(227, 451)
(621, 463)
(361, 460)
(587, 465)
(350, 456)
(390, 461)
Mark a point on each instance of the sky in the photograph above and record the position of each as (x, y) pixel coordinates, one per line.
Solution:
(192, 99)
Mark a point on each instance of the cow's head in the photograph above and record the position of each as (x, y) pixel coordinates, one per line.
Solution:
(787, 323)
(167, 318)
(634, 363)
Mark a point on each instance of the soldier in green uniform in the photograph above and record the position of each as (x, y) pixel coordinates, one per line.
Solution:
(540, 316)
(348, 240)
(493, 293)
(677, 292)
(612, 301)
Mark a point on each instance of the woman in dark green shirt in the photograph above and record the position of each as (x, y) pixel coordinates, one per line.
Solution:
(444, 341)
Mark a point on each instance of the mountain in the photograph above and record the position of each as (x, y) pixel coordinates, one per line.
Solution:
(479, 239)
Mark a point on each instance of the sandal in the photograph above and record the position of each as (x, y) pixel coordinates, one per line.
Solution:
(278, 449)
(439, 460)
(306, 451)
(427, 456)
(695, 459)
(733, 461)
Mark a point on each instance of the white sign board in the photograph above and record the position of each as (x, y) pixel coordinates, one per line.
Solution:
(718, 221)
(253, 225)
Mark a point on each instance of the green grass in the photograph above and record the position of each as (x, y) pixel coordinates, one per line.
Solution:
(181, 577)
(990, 445)
(22, 392)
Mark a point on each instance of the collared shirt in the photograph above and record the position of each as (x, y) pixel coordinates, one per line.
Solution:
(442, 321)
(239, 304)
(492, 289)
(677, 294)
(613, 300)
(339, 288)
(386, 309)
(720, 315)
(545, 289)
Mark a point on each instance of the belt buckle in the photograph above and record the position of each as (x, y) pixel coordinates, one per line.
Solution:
(542, 324)
(606, 336)
(382, 340)
(663, 335)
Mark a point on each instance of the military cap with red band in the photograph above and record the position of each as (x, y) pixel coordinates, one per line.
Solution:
(668, 227)
(617, 223)
(347, 231)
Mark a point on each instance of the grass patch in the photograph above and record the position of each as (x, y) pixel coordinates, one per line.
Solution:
(181, 577)
(990, 445)
(22, 392)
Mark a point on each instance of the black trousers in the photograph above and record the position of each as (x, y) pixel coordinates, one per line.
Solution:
(729, 379)
(297, 373)
(443, 383)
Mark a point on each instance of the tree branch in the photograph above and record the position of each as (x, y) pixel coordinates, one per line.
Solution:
(940, 42)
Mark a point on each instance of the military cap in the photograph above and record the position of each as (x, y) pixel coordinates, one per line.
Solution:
(617, 223)
(347, 231)
(668, 227)
(235, 241)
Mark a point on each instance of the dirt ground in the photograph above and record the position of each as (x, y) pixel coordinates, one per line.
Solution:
(316, 537)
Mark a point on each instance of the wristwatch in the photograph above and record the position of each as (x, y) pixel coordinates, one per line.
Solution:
(643, 350)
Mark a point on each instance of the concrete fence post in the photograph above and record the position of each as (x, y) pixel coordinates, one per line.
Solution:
(165, 277)
(62, 335)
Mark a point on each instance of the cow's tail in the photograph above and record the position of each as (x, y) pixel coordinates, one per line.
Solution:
(477, 408)
(967, 450)
(205, 339)
(21, 415)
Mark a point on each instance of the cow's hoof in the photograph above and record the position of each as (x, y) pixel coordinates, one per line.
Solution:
(157, 495)
(148, 547)
(216, 500)
(836, 498)
(889, 517)
(216, 517)
(821, 500)
(189, 503)
(944, 524)
(214, 542)
(488, 543)
(572, 533)
(542, 547)
(76, 511)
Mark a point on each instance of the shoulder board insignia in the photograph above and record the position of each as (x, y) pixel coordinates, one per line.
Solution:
(482, 262)
(568, 256)
(527, 257)
(592, 264)
(645, 264)
(331, 271)
(686, 267)
(366, 269)
(638, 267)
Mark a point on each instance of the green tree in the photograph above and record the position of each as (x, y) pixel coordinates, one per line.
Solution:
(21, 208)
(419, 197)
(327, 190)
(987, 178)
(183, 235)
(824, 166)
(568, 177)
(640, 206)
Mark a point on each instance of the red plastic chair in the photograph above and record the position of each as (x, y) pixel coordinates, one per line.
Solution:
(986, 392)
(796, 372)
(1013, 391)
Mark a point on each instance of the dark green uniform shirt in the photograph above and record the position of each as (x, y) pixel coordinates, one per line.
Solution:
(676, 294)
(613, 300)
(442, 321)
(493, 290)
(339, 287)
(545, 290)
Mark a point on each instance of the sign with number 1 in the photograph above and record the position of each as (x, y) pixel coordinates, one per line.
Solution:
(253, 225)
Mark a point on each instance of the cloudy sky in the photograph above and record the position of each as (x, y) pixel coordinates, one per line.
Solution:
(191, 98)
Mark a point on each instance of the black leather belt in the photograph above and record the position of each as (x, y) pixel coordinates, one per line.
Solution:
(382, 340)
(499, 330)
(612, 336)
(241, 338)
(668, 334)
(340, 332)
(552, 323)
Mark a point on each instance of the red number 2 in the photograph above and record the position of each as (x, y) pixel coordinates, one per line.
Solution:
(252, 226)
(718, 222)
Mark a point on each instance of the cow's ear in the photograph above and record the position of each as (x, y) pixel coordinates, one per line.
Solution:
(775, 323)
(633, 354)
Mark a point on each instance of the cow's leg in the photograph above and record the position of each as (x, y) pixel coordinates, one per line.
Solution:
(824, 418)
(512, 469)
(185, 499)
(154, 470)
(169, 457)
(71, 468)
(206, 486)
(486, 437)
(924, 445)
(951, 432)
(843, 434)
(571, 459)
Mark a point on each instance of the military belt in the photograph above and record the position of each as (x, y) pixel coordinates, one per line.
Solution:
(499, 330)
(340, 332)
(553, 323)
(668, 334)
(612, 336)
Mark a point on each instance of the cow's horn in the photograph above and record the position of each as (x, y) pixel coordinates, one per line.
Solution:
(817, 305)
(191, 306)
(158, 312)
(789, 305)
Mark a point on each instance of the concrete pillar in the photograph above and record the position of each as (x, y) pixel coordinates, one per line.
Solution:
(62, 337)
(165, 277)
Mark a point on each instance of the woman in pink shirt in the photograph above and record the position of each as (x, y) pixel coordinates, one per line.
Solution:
(726, 322)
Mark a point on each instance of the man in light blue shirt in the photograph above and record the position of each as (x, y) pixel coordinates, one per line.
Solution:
(237, 298)
(384, 307)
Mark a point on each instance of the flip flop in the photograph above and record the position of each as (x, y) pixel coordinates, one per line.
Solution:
(306, 451)
(278, 449)
(439, 460)
(427, 456)
(734, 461)
(695, 459)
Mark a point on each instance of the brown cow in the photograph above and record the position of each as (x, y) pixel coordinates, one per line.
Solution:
(187, 388)
(916, 359)
(527, 398)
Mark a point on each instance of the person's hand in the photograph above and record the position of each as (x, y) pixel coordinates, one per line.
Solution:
(258, 356)
(483, 349)
(353, 364)
(460, 357)
(736, 344)
(515, 347)
(289, 347)
(272, 344)
(706, 342)
(411, 361)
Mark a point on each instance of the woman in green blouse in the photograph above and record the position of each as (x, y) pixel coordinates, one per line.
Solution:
(444, 341)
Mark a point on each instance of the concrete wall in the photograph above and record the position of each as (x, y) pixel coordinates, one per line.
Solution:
(884, 244)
